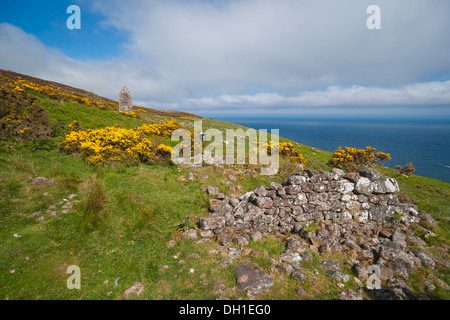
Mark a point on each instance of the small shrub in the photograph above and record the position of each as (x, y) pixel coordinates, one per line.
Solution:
(160, 129)
(404, 198)
(285, 149)
(351, 159)
(407, 170)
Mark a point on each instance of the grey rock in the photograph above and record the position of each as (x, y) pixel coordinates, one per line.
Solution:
(398, 237)
(427, 220)
(225, 262)
(306, 256)
(260, 191)
(285, 268)
(350, 295)
(369, 173)
(426, 260)
(276, 186)
(429, 286)
(206, 233)
(344, 186)
(136, 288)
(296, 180)
(212, 190)
(293, 189)
(361, 272)
(39, 181)
(364, 186)
(396, 293)
(337, 174)
(339, 276)
(190, 234)
(242, 241)
(257, 235)
(296, 245)
(385, 185)
(331, 265)
(193, 256)
(212, 222)
(264, 202)
(298, 276)
(171, 243)
(251, 278)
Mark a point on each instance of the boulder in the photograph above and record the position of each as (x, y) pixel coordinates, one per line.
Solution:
(251, 278)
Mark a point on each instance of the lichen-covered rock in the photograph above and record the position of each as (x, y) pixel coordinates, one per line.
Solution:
(364, 186)
(385, 185)
(212, 222)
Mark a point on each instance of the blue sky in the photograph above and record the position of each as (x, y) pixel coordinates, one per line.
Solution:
(47, 21)
(230, 57)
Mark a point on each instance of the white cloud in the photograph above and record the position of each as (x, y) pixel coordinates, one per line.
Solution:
(420, 94)
(207, 55)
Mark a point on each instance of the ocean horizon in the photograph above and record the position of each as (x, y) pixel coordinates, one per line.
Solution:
(423, 141)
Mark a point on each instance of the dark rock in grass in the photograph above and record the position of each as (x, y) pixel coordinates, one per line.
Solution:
(350, 295)
(339, 276)
(298, 276)
(213, 191)
(251, 278)
(396, 293)
(331, 265)
(39, 181)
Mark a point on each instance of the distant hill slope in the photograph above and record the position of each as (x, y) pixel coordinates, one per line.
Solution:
(92, 96)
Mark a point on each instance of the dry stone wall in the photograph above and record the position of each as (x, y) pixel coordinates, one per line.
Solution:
(308, 197)
(356, 214)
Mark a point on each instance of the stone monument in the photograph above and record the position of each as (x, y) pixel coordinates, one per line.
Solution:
(125, 103)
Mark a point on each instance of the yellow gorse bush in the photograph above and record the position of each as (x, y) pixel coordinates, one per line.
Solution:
(109, 145)
(165, 149)
(160, 129)
(284, 149)
(118, 145)
(129, 114)
(352, 158)
(57, 94)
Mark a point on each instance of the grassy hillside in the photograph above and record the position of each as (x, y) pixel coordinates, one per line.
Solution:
(139, 210)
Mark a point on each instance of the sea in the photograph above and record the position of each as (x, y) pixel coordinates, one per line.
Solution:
(424, 142)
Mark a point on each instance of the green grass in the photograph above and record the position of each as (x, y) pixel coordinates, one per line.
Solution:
(87, 117)
(139, 209)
